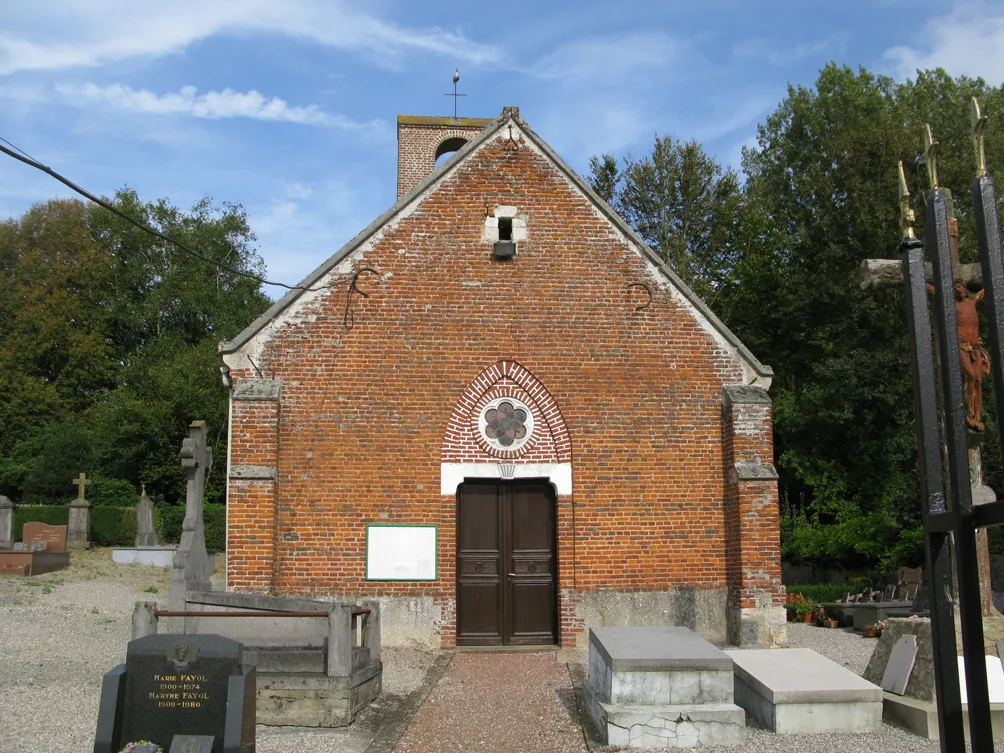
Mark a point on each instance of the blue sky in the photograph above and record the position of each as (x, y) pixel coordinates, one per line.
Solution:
(288, 107)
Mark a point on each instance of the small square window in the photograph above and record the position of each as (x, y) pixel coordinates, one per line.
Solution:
(505, 228)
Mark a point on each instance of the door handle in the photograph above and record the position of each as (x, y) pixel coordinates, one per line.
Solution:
(512, 575)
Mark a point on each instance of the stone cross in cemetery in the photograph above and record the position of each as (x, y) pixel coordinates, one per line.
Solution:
(191, 561)
(888, 273)
(79, 518)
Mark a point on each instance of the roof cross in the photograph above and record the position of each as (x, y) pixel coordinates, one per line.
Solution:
(456, 78)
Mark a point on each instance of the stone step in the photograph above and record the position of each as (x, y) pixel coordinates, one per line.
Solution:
(666, 726)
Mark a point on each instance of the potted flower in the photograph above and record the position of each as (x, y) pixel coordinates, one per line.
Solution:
(804, 608)
(874, 630)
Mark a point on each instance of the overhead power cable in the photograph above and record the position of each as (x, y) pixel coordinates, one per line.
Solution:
(28, 160)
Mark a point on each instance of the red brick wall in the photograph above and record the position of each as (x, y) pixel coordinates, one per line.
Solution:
(418, 138)
(365, 412)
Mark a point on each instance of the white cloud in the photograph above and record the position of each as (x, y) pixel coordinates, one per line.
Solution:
(968, 41)
(69, 33)
(211, 105)
(778, 54)
(609, 60)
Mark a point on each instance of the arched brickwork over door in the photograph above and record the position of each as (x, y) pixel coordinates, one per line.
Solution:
(544, 448)
(506, 426)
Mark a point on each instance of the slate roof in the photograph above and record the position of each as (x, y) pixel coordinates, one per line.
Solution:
(508, 113)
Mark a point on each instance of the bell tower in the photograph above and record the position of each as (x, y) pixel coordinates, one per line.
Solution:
(422, 140)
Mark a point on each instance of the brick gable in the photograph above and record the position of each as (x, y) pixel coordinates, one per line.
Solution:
(369, 417)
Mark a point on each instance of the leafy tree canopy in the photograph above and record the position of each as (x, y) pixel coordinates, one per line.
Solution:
(110, 341)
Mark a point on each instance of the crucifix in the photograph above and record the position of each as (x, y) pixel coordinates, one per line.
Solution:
(975, 362)
(456, 79)
(81, 482)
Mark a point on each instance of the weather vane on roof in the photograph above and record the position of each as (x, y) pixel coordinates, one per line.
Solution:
(456, 78)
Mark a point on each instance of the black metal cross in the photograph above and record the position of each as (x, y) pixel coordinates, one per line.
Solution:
(942, 436)
(456, 78)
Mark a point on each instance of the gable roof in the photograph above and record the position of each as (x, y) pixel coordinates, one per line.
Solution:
(756, 372)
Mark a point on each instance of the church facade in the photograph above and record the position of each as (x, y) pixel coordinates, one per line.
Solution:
(499, 412)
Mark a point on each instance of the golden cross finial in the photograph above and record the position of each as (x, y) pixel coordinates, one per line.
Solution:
(906, 215)
(979, 121)
(931, 156)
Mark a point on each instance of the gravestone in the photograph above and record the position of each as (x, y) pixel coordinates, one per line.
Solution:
(79, 520)
(179, 686)
(890, 593)
(6, 522)
(897, 672)
(146, 529)
(192, 744)
(53, 536)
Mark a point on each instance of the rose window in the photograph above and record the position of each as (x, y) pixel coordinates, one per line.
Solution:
(506, 424)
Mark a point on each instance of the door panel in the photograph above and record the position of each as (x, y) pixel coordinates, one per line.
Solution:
(479, 559)
(506, 564)
(530, 552)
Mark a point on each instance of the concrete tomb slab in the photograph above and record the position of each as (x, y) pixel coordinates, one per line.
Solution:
(632, 649)
(995, 679)
(901, 661)
(797, 691)
(661, 687)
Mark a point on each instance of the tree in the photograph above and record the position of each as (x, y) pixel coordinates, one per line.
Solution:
(110, 339)
(822, 186)
(682, 204)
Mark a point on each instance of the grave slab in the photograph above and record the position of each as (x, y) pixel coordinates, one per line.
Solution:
(797, 691)
(661, 687)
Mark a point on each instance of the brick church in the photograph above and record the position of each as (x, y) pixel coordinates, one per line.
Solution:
(498, 411)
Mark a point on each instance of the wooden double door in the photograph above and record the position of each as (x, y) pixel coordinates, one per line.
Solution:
(506, 564)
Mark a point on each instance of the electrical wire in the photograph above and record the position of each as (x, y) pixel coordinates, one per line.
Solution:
(30, 161)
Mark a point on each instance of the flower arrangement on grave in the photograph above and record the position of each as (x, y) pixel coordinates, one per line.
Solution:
(142, 746)
(874, 630)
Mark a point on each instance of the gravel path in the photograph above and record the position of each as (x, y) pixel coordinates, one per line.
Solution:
(498, 703)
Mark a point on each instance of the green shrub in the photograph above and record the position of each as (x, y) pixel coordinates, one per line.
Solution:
(53, 515)
(169, 520)
(113, 526)
(111, 492)
(821, 592)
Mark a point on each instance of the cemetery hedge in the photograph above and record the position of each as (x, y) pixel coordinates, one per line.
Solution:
(116, 526)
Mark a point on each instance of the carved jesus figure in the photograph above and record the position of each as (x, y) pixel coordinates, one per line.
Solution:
(973, 356)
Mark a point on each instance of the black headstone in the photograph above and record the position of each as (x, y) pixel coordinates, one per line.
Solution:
(180, 685)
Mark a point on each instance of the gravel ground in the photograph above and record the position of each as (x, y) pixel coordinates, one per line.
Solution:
(498, 703)
(60, 632)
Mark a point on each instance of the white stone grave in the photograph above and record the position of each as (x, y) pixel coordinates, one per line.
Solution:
(797, 691)
(661, 687)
